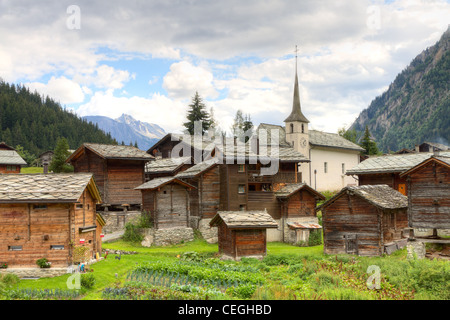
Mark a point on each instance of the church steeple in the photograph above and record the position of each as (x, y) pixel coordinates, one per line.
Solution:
(296, 114)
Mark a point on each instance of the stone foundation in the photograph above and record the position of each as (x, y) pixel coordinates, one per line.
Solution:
(415, 249)
(208, 233)
(165, 237)
(116, 220)
(35, 272)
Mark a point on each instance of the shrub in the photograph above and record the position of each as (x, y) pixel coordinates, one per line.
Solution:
(244, 291)
(9, 279)
(43, 263)
(315, 237)
(87, 280)
(131, 234)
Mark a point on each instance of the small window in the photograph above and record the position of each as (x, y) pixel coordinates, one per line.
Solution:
(79, 206)
(15, 248)
(40, 206)
(11, 168)
(57, 247)
(241, 188)
(241, 168)
(292, 128)
(343, 168)
(325, 167)
(303, 128)
(242, 207)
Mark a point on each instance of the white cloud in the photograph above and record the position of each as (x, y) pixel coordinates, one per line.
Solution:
(61, 89)
(184, 79)
(105, 77)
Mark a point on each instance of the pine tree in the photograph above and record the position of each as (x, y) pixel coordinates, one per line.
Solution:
(60, 155)
(248, 127)
(197, 112)
(370, 146)
(238, 125)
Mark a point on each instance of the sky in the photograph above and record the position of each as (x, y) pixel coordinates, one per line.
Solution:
(148, 58)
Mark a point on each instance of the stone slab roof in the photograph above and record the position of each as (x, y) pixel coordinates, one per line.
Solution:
(160, 182)
(11, 157)
(391, 163)
(109, 151)
(445, 160)
(51, 187)
(244, 219)
(381, 196)
(198, 168)
(291, 188)
(165, 164)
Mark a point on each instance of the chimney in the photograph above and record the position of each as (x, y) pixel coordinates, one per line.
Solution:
(45, 164)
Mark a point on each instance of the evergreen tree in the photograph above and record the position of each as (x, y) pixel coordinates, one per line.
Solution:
(238, 125)
(248, 127)
(370, 146)
(350, 134)
(60, 155)
(197, 112)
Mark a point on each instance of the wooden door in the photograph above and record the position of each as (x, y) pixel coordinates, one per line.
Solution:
(402, 188)
(351, 243)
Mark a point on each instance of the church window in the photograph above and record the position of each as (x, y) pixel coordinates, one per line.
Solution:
(292, 128)
(303, 128)
(325, 167)
(343, 168)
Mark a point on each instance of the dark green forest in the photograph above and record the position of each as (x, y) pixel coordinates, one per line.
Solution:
(35, 122)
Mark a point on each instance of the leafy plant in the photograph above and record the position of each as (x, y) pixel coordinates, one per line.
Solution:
(43, 263)
(87, 280)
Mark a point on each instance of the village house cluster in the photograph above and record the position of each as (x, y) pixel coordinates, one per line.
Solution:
(226, 194)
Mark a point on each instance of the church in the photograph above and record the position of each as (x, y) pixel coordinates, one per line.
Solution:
(329, 154)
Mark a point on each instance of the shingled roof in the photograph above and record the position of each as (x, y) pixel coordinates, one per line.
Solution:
(391, 163)
(244, 219)
(443, 160)
(381, 196)
(43, 188)
(108, 151)
(11, 157)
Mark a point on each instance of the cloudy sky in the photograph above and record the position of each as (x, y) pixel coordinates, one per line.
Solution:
(147, 58)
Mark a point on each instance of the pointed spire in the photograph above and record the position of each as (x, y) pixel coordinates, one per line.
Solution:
(296, 114)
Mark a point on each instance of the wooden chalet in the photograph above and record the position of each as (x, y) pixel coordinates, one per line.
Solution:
(242, 234)
(431, 147)
(429, 194)
(48, 216)
(366, 220)
(10, 160)
(386, 169)
(117, 170)
(167, 200)
(298, 211)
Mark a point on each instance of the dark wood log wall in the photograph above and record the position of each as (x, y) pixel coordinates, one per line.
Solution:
(250, 242)
(301, 204)
(38, 227)
(350, 215)
(393, 180)
(429, 197)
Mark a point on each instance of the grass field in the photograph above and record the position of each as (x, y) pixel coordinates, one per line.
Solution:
(193, 271)
(32, 170)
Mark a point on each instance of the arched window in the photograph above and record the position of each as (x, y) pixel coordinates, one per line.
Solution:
(303, 128)
(292, 128)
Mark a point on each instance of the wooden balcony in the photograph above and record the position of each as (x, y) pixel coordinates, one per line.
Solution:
(260, 196)
(280, 177)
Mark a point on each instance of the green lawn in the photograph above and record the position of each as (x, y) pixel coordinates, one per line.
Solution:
(288, 272)
(32, 170)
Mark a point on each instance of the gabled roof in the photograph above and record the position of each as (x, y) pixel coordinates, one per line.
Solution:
(316, 138)
(197, 169)
(43, 188)
(292, 188)
(108, 151)
(160, 182)
(445, 161)
(381, 196)
(4, 146)
(11, 157)
(244, 219)
(436, 146)
(390, 163)
(166, 165)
